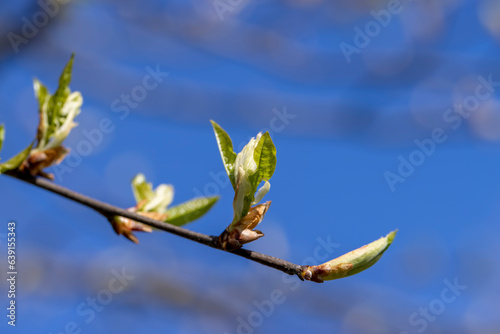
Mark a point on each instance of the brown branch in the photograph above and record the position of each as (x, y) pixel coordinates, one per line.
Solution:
(109, 211)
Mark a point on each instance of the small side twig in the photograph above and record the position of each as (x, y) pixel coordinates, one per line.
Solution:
(108, 211)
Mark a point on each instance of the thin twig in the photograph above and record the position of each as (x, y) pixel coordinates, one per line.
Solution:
(108, 211)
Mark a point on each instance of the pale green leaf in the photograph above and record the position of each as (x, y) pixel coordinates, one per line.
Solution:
(265, 157)
(243, 197)
(2, 136)
(14, 162)
(351, 263)
(142, 190)
(245, 159)
(365, 257)
(262, 192)
(57, 112)
(254, 164)
(154, 200)
(70, 109)
(163, 196)
(57, 101)
(191, 210)
(43, 97)
(226, 151)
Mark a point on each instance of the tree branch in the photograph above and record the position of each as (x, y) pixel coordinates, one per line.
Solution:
(109, 211)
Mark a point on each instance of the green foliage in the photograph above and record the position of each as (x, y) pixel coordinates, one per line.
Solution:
(252, 167)
(158, 200)
(369, 255)
(350, 263)
(226, 151)
(191, 210)
(149, 200)
(2, 136)
(255, 163)
(57, 111)
(265, 157)
(142, 190)
(15, 161)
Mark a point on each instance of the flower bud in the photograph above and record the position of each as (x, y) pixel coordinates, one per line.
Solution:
(350, 263)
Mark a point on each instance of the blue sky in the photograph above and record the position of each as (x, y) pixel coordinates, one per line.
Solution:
(346, 125)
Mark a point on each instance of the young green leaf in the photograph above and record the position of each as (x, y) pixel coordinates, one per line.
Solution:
(226, 151)
(153, 204)
(351, 263)
(150, 203)
(149, 200)
(57, 113)
(163, 196)
(255, 163)
(43, 96)
(70, 109)
(191, 210)
(14, 162)
(262, 192)
(58, 100)
(2, 135)
(264, 156)
(142, 190)
(245, 174)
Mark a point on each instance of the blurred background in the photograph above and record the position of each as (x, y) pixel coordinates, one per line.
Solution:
(385, 115)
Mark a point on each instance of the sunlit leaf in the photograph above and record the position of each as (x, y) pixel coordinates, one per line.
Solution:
(57, 112)
(163, 196)
(351, 263)
(142, 190)
(55, 109)
(264, 156)
(70, 109)
(14, 162)
(191, 210)
(2, 135)
(262, 192)
(226, 151)
(149, 200)
(43, 97)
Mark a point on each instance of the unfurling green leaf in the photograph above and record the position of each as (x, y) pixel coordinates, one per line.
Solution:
(351, 263)
(254, 164)
(264, 156)
(226, 151)
(70, 109)
(243, 196)
(43, 96)
(57, 113)
(164, 194)
(154, 203)
(14, 162)
(191, 210)
(149, 200)
(142, 190)
(150, 203)
(2, 136)
(262, 192)
(247, 170)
